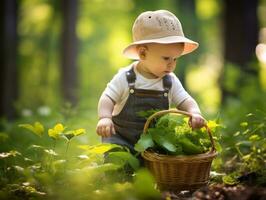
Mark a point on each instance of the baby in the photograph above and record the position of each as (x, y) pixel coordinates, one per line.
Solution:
(147, 83)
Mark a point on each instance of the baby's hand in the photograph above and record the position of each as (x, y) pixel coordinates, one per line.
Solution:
(196, 121)
(105, 127)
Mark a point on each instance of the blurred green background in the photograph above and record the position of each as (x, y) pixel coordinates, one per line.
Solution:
(58, 56)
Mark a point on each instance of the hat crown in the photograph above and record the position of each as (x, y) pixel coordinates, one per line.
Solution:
(156, 24)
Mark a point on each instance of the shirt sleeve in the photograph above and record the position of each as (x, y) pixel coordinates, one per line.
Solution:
(116, 87)
(177, 93)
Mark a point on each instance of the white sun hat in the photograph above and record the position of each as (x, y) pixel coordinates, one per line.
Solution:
(160, 26)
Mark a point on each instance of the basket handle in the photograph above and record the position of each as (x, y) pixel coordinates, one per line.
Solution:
(159, 113)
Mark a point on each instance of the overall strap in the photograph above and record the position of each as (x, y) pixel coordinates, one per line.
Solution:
(167, 83)
(131, 78)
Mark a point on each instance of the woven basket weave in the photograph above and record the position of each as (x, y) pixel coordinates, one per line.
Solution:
(179, 173)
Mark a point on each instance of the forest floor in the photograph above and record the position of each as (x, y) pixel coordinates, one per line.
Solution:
(220, 192)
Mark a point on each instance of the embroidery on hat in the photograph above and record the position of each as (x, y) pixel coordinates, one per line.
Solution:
(173, 25)
(165, 20)
(159, 21)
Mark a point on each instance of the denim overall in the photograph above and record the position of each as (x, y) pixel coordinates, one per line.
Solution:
(128, 124)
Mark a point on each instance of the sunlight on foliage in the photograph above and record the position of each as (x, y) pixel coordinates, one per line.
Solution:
(207, 8)
(84, 28)
(40, 13)
(56, 166)
(117, 42)
(232, 75)
(207, 90)
(26, 47)
(100, 148)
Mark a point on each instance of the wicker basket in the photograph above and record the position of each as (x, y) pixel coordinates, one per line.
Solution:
(177, 173)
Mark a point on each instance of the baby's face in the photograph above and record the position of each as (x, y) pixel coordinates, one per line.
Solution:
(160, 59)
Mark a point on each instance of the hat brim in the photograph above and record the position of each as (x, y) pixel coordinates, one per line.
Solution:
(131, 52)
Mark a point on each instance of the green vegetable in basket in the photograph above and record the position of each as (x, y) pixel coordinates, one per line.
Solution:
(144, 142)
(170, 122)
(172, 135)
(189, 148)
(163, 139)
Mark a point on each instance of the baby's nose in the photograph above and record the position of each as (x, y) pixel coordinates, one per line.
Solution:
(171, 64)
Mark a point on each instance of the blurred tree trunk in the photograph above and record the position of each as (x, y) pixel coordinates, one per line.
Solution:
(69, 51)
(240, 40)
(8, 77)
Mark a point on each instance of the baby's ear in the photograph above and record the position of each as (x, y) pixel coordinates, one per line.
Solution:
(141, 50)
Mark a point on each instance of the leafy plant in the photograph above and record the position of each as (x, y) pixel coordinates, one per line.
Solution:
(37, 128)
(172, 135)
(44, 173)
(250, 162)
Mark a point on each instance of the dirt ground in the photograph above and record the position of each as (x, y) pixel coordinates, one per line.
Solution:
(219, 192)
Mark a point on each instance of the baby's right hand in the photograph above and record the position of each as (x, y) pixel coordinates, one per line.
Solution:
(105, 127)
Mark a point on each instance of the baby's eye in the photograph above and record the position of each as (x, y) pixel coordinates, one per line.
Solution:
(166, 58)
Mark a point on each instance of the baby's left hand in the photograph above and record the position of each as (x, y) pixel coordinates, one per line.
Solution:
(196, 121)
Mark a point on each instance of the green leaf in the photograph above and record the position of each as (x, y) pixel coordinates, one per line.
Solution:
(144, 142)
(70, 134)
(122, 158)
(254, 138)
(170, 121)
(101, 148)
(244, 144)
(189, 148)
(244, 124)
(79, 131)
(163, 139)
(230, 179)
(237, 133)
(144, 185)
(37, 128)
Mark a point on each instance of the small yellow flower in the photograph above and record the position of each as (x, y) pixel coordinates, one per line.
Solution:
(56, 131)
